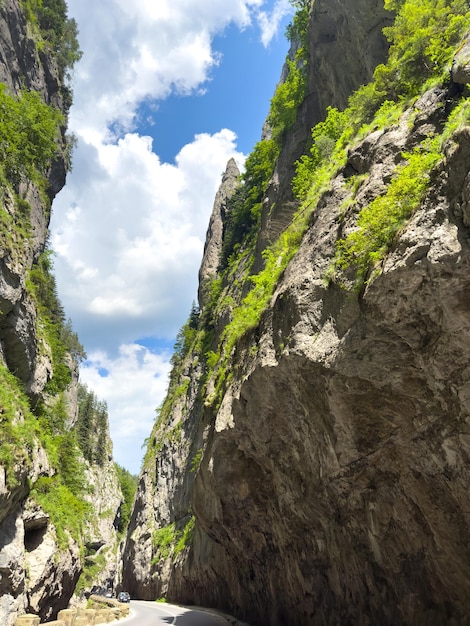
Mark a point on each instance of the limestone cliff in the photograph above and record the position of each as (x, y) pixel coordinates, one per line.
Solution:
(310, 464)
(46, 478)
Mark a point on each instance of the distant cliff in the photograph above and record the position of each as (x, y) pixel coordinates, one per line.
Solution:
(52, 465)
(310, 464)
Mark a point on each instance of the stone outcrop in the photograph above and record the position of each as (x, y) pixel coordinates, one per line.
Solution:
(461, 65)
(330, 485)
(338, 466)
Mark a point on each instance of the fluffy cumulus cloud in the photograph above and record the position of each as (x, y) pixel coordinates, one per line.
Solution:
(133, 50)
(129, 235)
(128, 229)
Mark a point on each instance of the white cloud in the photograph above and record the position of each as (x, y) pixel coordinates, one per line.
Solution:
(134, 386)
(269, 22)
(128, 229)
(132, 50)
(129, 240)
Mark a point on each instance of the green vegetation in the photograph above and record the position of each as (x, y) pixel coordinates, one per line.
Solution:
(92, 426)
(178, 387)
(28, 133)
(128, 485)
(298, 28)
(54, 329)
(459, 117)
(186, 536)
(244, 206)
(21, 431)
(290, 93)
(287, 98)
(195, 463)
(379, 222)
(163, 541)
(93, 566)
(17, 425)
(170, 541)
(422, 41)
(24, 427)
(185, 337)
(15, 225)
(62, 495)
(54, 30)
(325, 137)
(66, 509)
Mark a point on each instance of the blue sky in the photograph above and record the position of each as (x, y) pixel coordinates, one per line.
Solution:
(236, 97)
(165, 93)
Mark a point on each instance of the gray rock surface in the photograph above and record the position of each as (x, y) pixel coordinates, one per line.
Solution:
(337, 475)
(332, 485)
(36, 572)
(215, 230)
(461, 65)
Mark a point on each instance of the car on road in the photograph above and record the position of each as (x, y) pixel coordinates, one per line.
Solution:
(123, 596)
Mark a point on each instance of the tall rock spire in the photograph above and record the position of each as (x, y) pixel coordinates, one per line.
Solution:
(215, 230)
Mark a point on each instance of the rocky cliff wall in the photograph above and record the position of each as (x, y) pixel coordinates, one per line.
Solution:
(336, 476)
(345, 44)
(329, 483)
(39, 568)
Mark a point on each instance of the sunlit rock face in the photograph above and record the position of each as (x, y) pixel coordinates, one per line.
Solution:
(332, 481)
(336, 479)
(215, 231)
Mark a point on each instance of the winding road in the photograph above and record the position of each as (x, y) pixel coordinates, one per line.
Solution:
(157, 613)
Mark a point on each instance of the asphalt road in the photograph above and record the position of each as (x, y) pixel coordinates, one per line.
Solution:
(158, 613)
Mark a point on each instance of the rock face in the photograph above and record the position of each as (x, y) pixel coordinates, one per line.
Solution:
(345, 45)
(215, 231)
(38, 573)
(23, 67)
(338, 469)
(330, 484)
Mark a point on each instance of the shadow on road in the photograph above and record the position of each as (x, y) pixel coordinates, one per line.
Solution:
(191, 618)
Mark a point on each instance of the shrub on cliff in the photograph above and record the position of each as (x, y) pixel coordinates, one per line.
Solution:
(28, 134)
(57, 31)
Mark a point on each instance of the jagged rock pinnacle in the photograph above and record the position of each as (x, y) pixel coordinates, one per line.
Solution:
(214, 236)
